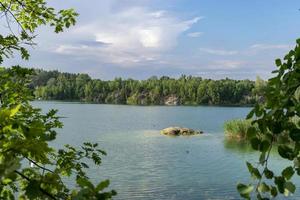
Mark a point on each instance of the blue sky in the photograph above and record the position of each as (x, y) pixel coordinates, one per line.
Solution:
(140, 38)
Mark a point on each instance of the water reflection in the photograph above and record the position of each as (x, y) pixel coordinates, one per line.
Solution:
(237, 146)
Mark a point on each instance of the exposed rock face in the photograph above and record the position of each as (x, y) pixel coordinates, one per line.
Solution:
(177, 131)
(171, 100)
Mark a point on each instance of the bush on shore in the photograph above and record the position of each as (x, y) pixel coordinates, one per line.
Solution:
(238, 128)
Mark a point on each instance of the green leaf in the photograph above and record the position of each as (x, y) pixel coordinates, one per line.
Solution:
(102, 185)
(277, 128)
(279, 181)
(244, 190)
(6, 181)
(264, 146)
(268, 173)
(249, 166)
(295, 135)
(32, 190)
(297, 94)
(274, 192)
(278, 62)
(84, 182)
(253, 171)
(251, 133)
(290, 187)
(298, 171)
(24, 53)
(288, 172)
(255, 143)
(286, 152)
(250, 115)
(14, 111)
(263, 187)
(262, 158)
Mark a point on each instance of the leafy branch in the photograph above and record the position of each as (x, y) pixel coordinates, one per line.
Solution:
(25, 132)
(278, 120)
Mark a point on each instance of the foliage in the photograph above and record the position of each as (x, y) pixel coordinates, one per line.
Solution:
(23, 18)
(25, 132)
(238, 128)
(276, 118)
(189, 90)
(25, 135)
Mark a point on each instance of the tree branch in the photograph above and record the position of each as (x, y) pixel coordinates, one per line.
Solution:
(7, 10)
(41, 189)
(35, 163)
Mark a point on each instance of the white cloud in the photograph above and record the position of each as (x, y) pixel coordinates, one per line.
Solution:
(227, 64)
(133, 35)
(195, 34)
(219, 52)
(150, 38)
(271, 46)
(139, 38)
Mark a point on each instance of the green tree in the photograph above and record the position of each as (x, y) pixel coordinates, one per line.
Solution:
(277, 118)
(259, 88)
(25, 132)
(81, 81)
(189, 90)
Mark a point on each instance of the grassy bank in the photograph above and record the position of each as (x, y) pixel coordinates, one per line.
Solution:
(237, 128)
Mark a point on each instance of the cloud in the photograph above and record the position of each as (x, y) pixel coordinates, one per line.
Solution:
(226, 64)
(270, 50)
(270, 46)
(219, 52)
(141, 38)
(129, 36)
(103, 55)
(195, 34)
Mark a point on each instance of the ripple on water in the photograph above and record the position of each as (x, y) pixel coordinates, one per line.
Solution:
(143, 164)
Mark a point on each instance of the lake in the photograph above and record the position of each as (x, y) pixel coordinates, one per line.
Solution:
(143, 164)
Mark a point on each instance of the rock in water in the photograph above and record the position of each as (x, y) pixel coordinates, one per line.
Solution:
(177, 131)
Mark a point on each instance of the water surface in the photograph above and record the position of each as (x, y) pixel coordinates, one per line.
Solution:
(143, 164)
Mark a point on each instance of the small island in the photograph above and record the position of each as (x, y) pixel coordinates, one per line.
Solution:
(177, 131)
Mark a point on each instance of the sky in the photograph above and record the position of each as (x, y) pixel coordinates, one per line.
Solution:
(141, 38)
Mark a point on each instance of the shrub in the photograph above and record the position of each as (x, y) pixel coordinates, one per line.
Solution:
(237, 128)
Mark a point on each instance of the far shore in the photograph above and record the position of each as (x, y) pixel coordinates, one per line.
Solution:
(161, 105)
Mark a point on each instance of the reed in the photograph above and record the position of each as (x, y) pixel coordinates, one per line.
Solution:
(237, 128)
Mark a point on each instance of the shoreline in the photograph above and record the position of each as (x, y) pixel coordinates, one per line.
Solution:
(148, 105)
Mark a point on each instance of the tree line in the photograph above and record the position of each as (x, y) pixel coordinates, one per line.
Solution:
(186, 90)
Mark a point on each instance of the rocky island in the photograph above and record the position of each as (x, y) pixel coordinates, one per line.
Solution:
(177, 131)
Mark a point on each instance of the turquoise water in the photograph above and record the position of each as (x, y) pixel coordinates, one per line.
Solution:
(143, 164)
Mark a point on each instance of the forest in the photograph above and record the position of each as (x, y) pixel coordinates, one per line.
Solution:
(186, 90)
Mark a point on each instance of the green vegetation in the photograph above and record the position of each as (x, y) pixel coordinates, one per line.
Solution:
(238, 128)
(186, 90)
(276, 118)
(25, 132)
